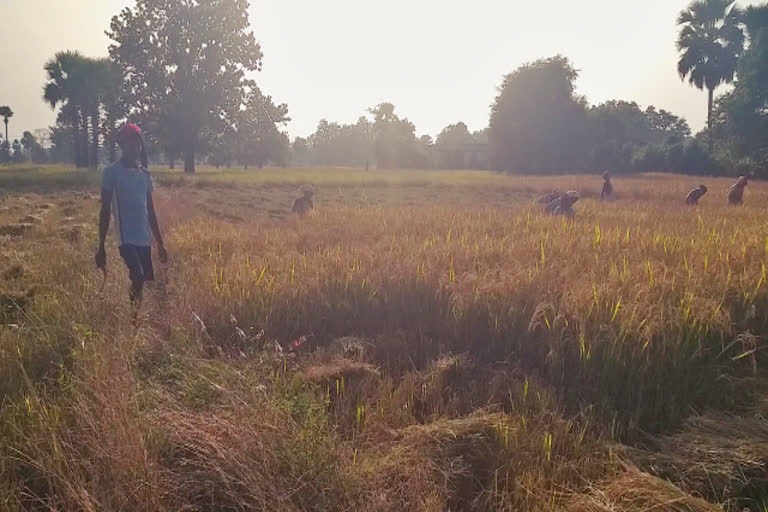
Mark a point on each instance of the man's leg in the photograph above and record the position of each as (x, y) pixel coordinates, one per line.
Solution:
(132, 260)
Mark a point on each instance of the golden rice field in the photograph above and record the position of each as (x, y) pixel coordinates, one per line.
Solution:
(423, 341)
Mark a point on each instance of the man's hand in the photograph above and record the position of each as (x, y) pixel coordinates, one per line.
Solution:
(162, 253)
(101, 258)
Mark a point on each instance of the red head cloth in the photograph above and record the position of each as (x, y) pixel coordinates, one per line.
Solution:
(128, 131)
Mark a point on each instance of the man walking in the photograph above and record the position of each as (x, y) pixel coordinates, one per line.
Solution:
(126, 192)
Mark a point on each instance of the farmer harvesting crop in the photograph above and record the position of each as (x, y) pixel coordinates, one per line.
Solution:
(563, 205)
(694, 195)
(126, 191)
(607, 192)
(736, 192)
(304, 204)
(548, 198)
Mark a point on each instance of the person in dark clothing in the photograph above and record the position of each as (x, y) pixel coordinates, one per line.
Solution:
(694, 195)
(548, 198)
(736, 192)
(563, 205)
(304, 204)
(607, 193)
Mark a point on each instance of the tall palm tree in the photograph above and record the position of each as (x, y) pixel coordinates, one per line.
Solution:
(66, 86)
(710, 43)
(6, 113)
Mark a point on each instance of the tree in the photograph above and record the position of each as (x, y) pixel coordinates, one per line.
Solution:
(18, 152)
(5, 151)
(6, 113)
(66, 87)
(259, 137)
(394, 139)
(184, 65)
(102, 89)
(61, 136)
(667, 125)
(299, 151)
(537, 121)
(453, 144)
(743, 119)
(710, 43)
(34, 151)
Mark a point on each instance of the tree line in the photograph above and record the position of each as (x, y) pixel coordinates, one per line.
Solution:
(181, 70)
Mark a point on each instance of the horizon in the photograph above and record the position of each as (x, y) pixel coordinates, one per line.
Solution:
(343, 80)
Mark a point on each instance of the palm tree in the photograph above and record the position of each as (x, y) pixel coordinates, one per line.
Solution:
(6, 113)
(66, 86)
(710, 43)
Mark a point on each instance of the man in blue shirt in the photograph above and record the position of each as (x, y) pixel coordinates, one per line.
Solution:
(126, 192)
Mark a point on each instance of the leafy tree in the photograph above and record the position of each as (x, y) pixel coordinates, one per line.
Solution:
(344, 145)
(34, 151)
(5, 151)
(622, 133)
(6, 113)
(18, 152)
(743, 119)
(61, 136)
(299, 151)
(710, 43)
(103, 89)
(259, 137)
(184, 65)
(667, 125)
(66, 87)
(453, 144)
(394, 139)
(537, 120)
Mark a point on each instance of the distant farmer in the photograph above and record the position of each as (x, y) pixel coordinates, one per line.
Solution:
(736, 192)
(548, 198)
(304, 204)
(607, 192)
(126, 191)
(694, 195)
(563, 205)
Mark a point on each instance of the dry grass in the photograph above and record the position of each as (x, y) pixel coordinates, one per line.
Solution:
(463, 351)
(635, 491)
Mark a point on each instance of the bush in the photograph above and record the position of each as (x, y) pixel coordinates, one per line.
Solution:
(650, 158)
(697, 160)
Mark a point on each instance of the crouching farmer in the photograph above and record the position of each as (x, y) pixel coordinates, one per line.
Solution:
(563, 205)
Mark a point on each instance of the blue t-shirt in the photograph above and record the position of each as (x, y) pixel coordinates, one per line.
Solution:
(130, 188)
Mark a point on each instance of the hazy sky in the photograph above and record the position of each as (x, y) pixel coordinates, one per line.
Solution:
(438, 61)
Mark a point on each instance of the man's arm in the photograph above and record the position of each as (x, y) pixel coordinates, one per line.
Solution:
(155, 227)
(104, 213)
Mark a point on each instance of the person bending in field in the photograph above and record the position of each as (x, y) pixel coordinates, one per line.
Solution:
(563, 205)
(736, 192)
(607, 193)
(548, 198)
(126, 192)
(304, 204)
(694, 195)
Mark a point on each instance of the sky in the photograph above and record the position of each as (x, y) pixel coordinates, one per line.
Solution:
(438, 61)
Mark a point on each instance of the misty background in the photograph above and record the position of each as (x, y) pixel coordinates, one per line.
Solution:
(438, 62)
